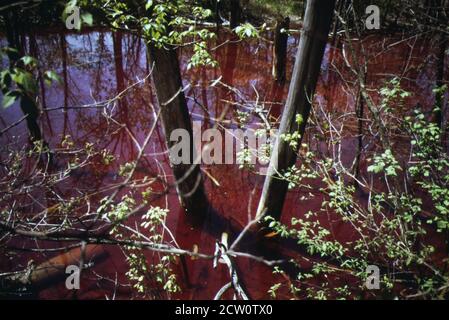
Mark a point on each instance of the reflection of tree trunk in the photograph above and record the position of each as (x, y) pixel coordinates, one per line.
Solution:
(204, 97)
(117, 38)
(317, 23)
(30, 109)
(101, 51)
(280, 50)
(118, 61)
(439, 98)
(34, 52)
(359, 105)
(229, 66)
(64, 69)
(236, 13)
(65, 79)
(175, 115)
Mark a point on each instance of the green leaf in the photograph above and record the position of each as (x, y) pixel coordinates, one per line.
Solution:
(148, 4)
(29, 61)
(5, 79)
(9, 98)
(51, 76)
(87, 18)
(25, 80)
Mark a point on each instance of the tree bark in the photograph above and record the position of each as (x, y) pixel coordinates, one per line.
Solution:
(317, 23)
(236, 13)
(280, 50)
(217, 15)
(175, 115)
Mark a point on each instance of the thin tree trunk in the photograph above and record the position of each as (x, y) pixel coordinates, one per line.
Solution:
(175, 115)
(317, 23)
(232, 53)
(217, 15)
(280, 50)
(359, 109)
(236, 13)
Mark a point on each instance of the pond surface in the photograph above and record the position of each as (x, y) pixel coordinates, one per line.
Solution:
(98, 64)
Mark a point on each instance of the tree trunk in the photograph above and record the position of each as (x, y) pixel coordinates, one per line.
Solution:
(280, 50)
(217, 15)
(175, 115)
(317, 23)
(236, 14)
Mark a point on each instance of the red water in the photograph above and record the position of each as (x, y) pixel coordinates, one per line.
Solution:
(97, 65)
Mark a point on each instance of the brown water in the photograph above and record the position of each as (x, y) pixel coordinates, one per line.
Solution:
(96, 65)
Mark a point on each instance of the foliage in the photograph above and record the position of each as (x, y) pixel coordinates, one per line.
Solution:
(18, 80)
(143, 274)
(163, 23)
(277, 7)
(430, 167)
(246, 30)
(293, 138)
(391, 226)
